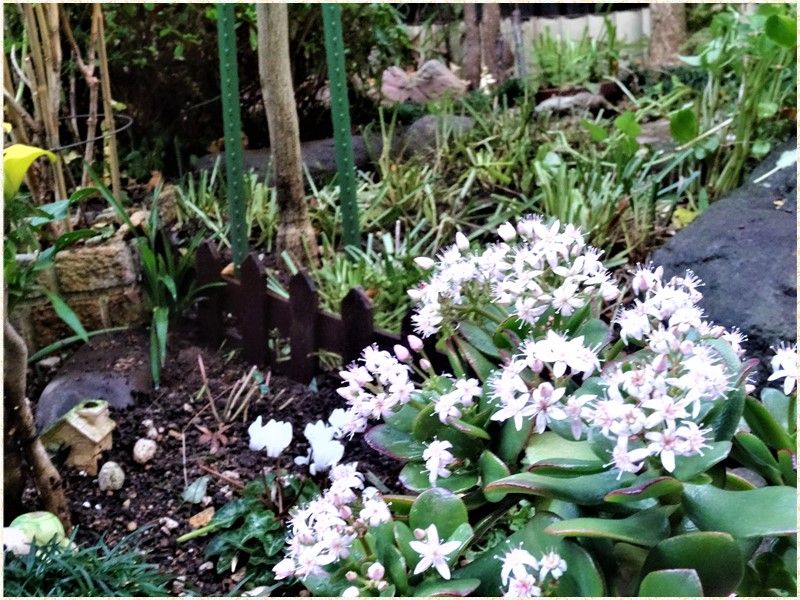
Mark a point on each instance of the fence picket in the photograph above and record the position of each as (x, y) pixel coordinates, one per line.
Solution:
(358, 323)
(252, 311)
(304, 305)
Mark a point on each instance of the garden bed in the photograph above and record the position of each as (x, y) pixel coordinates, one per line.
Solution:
(151, 495)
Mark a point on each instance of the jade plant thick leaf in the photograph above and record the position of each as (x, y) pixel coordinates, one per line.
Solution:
(566, 455)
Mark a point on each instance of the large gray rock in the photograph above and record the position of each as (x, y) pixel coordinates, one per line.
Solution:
(744, 248)
(318, 156)
(424, 135)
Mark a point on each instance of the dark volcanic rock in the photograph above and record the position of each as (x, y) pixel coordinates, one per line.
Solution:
(744, 249)
(103, 369)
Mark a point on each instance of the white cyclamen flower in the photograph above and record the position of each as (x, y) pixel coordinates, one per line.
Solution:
(433, 553)
(325, 452)
(275, 436)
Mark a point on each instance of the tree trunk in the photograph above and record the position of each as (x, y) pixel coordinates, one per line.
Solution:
(472, 46)
(490, 34)
(295, 233)
(667, 33)
(20, 431)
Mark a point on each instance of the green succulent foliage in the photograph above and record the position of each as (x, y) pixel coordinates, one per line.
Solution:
(94, 570)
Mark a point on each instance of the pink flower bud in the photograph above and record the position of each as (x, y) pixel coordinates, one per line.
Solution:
(351, 576)
(462, 243)
(382, 585)
(402, 353)
(376, 571)
(414, 343)
(414, 294)
(345, 512)
(419, 533)
(425, 364)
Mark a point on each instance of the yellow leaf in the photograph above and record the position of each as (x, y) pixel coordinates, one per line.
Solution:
(684, 216)
(7, 127)
(17, 159)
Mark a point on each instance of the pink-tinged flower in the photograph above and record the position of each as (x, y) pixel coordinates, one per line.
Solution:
(553, 564)
(433, 553)
(437, 458)
(576, 412)
(628, 461)
(664, 444)
(402, 353)
(545, 406)
(414, 343)
(523, 587)
(515, 563)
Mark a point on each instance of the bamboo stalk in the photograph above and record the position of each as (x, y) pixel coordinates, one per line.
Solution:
(108, 109)
(87, 68)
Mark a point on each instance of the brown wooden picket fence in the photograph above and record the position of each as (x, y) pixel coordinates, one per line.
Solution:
(257, 312)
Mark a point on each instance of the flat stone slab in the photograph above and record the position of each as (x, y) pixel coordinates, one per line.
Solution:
(117, 373)
(744, 247)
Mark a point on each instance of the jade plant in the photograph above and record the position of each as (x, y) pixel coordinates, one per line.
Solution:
(643, 465)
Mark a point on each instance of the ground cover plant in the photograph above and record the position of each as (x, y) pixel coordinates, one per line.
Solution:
(560, 416)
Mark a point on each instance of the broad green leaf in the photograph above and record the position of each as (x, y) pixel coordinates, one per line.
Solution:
(512, 441)
(627, 124)
(786, 465)
(737, 483)
(782, 30)
(778, 404)
(453, 587)
(399, 504)
(415, 477)
(392, 559)
(17, 159)
(469, 429)
(751, 452)
(644, 528)
(715, 557)
(492, 469)
(546, 446)
(403, 537)
(724, 417)
(764, 425)
(403, 419)
(566, 467)
(394, 443)
(597, 133)
(438, 507)
(683, 125)
(479, 338)
(768, 511)
(584, 489)
(47, 213)
(651, 488)
(66, 314)
(195, 491)
(671, 583)
(688, 467)
(475, 359)
(595, 333)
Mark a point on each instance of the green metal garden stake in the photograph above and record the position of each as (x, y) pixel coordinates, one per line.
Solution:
(232, 124)
(340, 109)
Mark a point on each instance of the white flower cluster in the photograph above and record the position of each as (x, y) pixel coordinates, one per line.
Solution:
(785, 365)
(522, 574)
(536, 267)
(374, 389)
(322, 532)
(654, 398)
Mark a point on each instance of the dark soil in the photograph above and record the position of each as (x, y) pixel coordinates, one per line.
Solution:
(151, 494)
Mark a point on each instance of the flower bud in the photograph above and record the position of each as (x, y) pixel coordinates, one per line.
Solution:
(382, 585)
(414, 343)
(351, 576)
(507, 232)
(414, 294)
(402, 353)
(345, 512)
(462, 243)
(351, 592)
(424, 262)
(376, 571)
(419, 533)
(425, 364)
